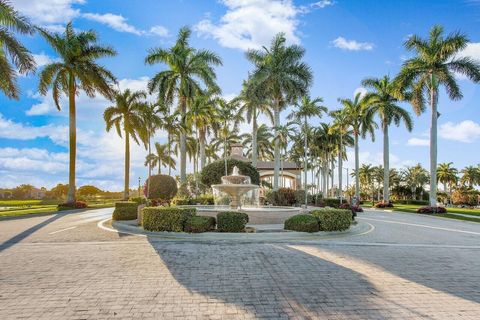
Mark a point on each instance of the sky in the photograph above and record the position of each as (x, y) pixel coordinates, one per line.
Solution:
(345, 41)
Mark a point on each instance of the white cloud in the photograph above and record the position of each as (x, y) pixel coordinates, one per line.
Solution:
(41, 59)
(466, 131)
(352, 45)
(322, 4)
(47, 12)
(472, 51)
(417, 142)
(252, 23)
(360, 90)
(114, 21)
(159, 31)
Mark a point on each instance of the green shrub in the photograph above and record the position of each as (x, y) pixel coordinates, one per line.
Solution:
(330, 202)
(125, 210)
(333, 219)
(284, 197)
(411, 201)
(180, 201)
(231, 221)
(302, 222)
(183, 201)
(138, 200)
(464, 196)
(162, 187)
(197, 224)
(212, 173)
(166, 218)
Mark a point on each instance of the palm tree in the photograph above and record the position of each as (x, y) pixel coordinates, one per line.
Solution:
(366, 174)
(435, 64)
(415, 177)
(11, 21)
(161, 157)
(264, 138)
(359, 116)
(77, 70)
(384, 103)
(211, 153)
(447, 175)
(188, 69)
(282, 77)
(172, 126)
(470, 176)
(284, 134)
(127, 116)
(306, 109)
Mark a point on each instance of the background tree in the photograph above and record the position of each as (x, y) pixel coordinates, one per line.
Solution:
(470, 176)
(127, 116)
(161, 157)
(77, 70)
(282, 77)
(435, 64)
(88, 191)
(10, 22)
(447, 175)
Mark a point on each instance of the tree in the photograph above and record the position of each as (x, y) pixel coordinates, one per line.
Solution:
(127, 116)
(470, 176)
(188, 69)
(11, 21)
(252, 103)
(447, 175)
(415, 177)
(284, 134)
(60, 191)
(88, 191)
(77, 70)
(435, 64)
(306, 109)
(282, 77)
(264, 138)
(161, 157)
(359, 116)
(384, 103)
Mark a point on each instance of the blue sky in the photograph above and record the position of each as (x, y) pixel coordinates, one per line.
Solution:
(345, 42)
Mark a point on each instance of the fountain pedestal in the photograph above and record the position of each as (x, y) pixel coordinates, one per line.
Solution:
(235, 186)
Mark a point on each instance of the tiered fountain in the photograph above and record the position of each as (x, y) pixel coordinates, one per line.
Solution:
(236, 186)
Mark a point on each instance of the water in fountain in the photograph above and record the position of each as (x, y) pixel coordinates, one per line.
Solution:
(236, 190)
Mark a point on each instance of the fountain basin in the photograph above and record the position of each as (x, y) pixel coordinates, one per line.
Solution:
(235, 191)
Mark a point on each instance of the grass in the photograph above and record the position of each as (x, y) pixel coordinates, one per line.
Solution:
(15, 208)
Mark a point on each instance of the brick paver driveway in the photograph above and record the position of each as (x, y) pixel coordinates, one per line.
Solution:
(408, 267)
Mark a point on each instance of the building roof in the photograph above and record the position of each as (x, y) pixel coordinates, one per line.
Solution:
(270, 165)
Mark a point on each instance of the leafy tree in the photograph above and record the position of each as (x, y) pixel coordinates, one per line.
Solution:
(127, 117)
(88, 191)
(470, 176)
(435, 64)
(77, 70)
(162, 157)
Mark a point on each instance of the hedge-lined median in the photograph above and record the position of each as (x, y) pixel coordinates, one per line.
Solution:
(166, 218)
(302, 223)
(231, 221)
(333, 219)
(125, 210)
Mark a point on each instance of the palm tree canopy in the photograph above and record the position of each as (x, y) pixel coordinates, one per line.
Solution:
(307, 108)
(251, 100)
(435, 63)
(12, 50)
(358, 114)
(78, 52)
(446, 173)
(264, 143)
(162, 156)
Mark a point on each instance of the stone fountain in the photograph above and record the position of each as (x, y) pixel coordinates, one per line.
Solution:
(235, 185)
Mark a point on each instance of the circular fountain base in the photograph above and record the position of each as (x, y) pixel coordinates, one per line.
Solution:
(256, 215)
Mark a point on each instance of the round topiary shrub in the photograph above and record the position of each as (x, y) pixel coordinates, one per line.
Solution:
(333, 219)
(231, 221)
(212, 173)
(198, 224)
(302, 223)
(162, 187)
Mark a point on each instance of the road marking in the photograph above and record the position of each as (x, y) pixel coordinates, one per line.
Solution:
(101, 225)
(62, 230)
(422, 226)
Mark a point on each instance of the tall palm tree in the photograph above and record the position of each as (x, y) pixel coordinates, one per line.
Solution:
(447, 175)
(435, 64)
(307, 108)
(171, 124)
(264, 138)
(161, 157)
(470, 176)
(188, 69)
(366, 174)
(10, 22)
(284, 134)
(211, 153)
(415, 177)
(282, 77)
(385, 104)
(77, 70)
(252, 104)
(359, 116)
(127, 116)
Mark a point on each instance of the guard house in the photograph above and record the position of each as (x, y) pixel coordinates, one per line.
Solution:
(291, 171)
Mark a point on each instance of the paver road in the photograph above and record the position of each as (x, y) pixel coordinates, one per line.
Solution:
(408, 267)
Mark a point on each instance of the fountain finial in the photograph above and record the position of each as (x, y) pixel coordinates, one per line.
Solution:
(235, 171)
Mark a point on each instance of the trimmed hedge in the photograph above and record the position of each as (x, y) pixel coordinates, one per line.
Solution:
(203, 200)
(284, 197)
(166, 218)
(333, 219)
(330, 202)
(212, 173)
(198, 224)
(231, 221)
(162, 187)
(428, 210)
(302, 223)
(125, 210)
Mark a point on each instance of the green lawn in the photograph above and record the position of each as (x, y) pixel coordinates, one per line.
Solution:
(14, 208)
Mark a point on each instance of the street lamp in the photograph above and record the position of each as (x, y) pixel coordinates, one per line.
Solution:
(139, 188)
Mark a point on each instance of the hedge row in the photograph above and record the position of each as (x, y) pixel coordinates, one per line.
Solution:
(231, 221)
(166, 218)
(324, 219)
(125, 210)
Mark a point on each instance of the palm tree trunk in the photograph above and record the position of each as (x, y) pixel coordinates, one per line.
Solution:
(72, 139)
(332, 176)
(203, 157)
(340, 170)
(126, 190)
(149, 167)
(386, 164)
(357, 165)
(433, 146)
(169, 152)
(305, 164)
(276, 168)
(183, 143)
(159, 166)
(254, 139)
